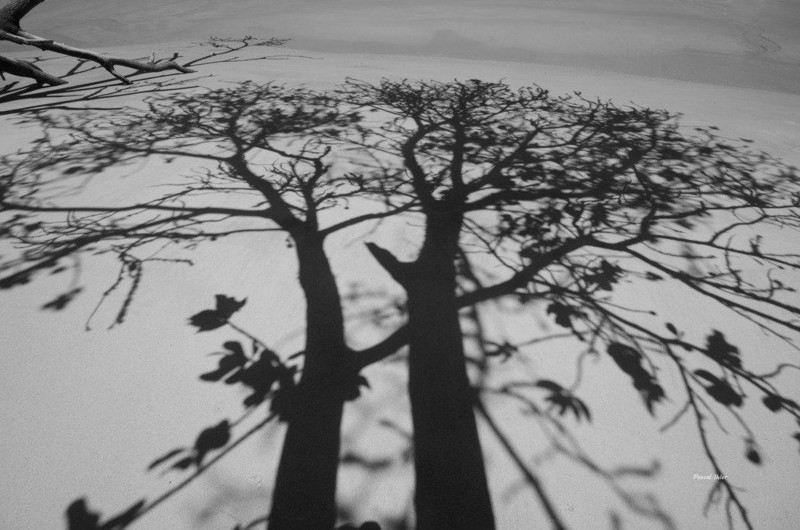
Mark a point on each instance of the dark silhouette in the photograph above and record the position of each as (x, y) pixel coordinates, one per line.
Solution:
(291, 125)
(559, 191)
(525, 197)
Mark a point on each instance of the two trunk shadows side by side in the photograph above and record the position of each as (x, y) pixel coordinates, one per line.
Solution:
(305, 486)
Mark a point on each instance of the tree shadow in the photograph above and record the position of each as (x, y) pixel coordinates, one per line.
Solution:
(529, 203)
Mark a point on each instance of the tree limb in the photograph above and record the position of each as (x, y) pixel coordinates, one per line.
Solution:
(11, 15)
(388, 261)
(105, 61)
(22, 68)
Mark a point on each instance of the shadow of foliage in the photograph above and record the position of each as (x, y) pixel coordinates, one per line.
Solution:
(554, 205)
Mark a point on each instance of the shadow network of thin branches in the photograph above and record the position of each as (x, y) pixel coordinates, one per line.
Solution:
(539, 203)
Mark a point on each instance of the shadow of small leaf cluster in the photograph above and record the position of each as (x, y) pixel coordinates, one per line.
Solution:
(564, 400)
(80, 517)
(210, 319)
(629, 361)
(210, 439)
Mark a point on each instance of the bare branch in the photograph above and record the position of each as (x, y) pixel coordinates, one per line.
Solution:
(21, 68)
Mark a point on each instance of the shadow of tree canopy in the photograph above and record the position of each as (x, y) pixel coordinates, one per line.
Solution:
(567, 198)
(553, 205)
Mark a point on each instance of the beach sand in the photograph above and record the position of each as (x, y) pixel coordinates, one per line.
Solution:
(70, 431)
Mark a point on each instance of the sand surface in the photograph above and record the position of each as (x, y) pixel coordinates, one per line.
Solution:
(750, 43)
(68, 431)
